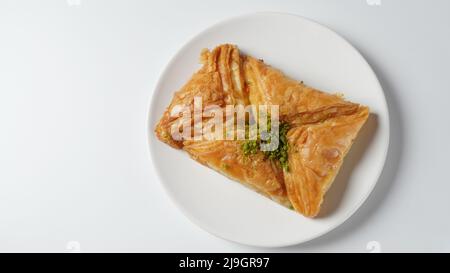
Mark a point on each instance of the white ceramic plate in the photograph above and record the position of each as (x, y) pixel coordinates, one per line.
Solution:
(306, 51)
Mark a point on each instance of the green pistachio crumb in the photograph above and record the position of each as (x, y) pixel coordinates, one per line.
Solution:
(280, 154)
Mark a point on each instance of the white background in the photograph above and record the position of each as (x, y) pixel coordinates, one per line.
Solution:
(76, 77)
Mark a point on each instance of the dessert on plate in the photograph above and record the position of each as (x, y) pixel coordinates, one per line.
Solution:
(315, 130)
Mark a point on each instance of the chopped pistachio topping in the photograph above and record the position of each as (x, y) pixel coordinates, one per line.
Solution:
(280, 154)
(250, 147)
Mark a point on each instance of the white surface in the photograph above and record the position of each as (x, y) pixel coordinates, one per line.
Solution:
(75, 83)
(307, 51)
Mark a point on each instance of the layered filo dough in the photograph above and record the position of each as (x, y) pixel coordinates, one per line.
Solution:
(322, 128)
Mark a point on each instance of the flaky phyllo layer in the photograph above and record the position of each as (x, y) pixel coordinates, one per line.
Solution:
(321, 128)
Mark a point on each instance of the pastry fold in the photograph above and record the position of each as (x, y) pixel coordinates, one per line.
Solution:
(322, 128)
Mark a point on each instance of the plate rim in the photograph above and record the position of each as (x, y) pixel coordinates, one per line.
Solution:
(150, 132)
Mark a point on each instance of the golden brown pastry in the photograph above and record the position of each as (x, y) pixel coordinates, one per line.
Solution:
(319, 129)
(322, 130)
(317, 151)
(254, 171)
(220, 82)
